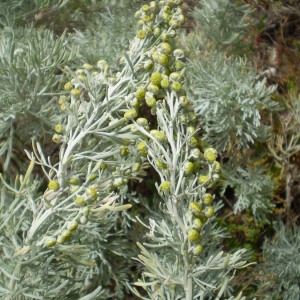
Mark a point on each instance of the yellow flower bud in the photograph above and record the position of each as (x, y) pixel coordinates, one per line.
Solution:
(130, 114)
(141, 34)
(59, 128)
(188, 168)
(72, 226)
(197, 250)
(75, 92)
(66, 234)
(210, 155)
(197, 223)
(50, 242)
(80, 201)
(209, 211)
(203, 179)
(142, 148)
(88, 67)
(53, 185)
(56, 138)
(165, 186)
(194, 236)
(176, 86)
(68, 86)
(156, 78)
(207, 199)
(92, 193)
(195, 208)
(140, 94)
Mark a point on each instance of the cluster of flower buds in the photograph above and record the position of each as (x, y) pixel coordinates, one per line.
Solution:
(200, 213)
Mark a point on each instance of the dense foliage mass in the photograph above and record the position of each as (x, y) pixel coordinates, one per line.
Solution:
(149, 155)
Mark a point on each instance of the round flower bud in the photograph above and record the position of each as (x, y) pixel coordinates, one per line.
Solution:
(165, 48)
(148, 65)
(194, 236)
(63, 107)
(217, 167)
(193, 142)
(93, 177)
(195, 208)
(151, 102)
(156, 78)
(166, 9)
(163, 59)
(92, 193)
(208, 199)
(197, 250)
(60, 240)
(156, 32)
(191, 130)
(141, 34)
(118, 182)
(50, 242)
(203, 179)
(75, 92)
(160, 136)
(179, 65)
(56, 138)
(72, 226)
(165, 186)
(74, 180)
(197, 223)
(142, 148)
(166, 17)
(142, 122)
(152, 88)
(209, 211)
(174, 23)
(165, 83)
(176, 86)
(210, 155)
(136, 167)
(103, 166)
(62, 99)
(140, 94)
(130, 114)
(146, 18)
(80, 201)
(188, 168)
(68, 86)
(66, 234)
(88, 67)
(59, 128)
(124, 151)
(145, 8)
(53, 185)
